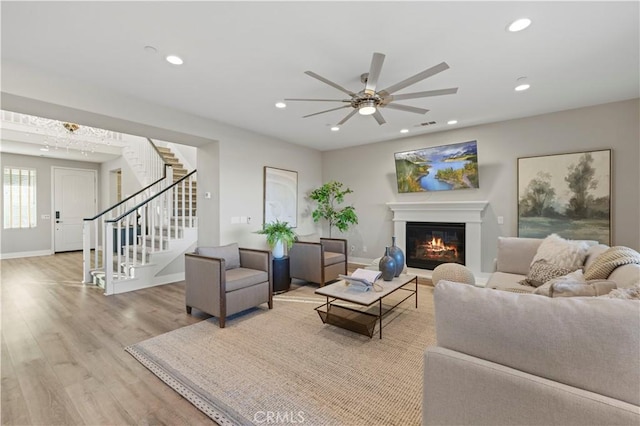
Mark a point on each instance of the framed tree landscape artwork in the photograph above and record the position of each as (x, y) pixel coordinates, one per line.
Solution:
(567, 194)
(280, 196)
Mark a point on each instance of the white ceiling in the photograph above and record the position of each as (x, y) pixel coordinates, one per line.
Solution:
(242, 57)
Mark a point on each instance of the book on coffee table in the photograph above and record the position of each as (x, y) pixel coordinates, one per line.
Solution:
(363, 279)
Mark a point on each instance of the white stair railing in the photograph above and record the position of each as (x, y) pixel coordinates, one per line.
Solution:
(146, 228)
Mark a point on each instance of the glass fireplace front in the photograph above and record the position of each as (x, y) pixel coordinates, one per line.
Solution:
(430, 244)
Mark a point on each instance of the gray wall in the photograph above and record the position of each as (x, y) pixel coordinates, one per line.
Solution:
(38, 240)
(230, 159)
(370, 171)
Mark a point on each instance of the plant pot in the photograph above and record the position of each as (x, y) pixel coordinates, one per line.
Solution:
(278, 250)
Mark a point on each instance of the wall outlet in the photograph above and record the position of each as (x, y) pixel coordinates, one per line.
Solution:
(353, 247)
(364, 249)
(500, 220)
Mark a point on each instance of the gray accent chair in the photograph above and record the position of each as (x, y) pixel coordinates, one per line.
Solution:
(223, 281)
(318, 262)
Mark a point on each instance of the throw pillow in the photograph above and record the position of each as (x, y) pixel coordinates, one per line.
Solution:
(568, 254)
(578, 289)
(542, 271)
(230, 253)
(604, 264)
(574, 277)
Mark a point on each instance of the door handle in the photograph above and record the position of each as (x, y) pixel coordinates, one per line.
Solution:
(58, 221)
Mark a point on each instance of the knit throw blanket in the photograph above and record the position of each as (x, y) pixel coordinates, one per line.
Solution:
(604, 264)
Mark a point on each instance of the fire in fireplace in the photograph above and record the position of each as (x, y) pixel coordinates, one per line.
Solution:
(430, 244)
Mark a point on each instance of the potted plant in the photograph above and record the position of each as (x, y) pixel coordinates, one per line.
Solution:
(278, 234)
(328, 196)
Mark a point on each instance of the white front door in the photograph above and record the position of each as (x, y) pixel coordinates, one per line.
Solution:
(74, 200)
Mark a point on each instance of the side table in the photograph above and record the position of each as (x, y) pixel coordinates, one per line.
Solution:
(281, 277)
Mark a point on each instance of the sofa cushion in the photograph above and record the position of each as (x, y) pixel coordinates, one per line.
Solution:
(604, 264)
(569, 254)
(331, 258)
(592, 343)
(515, 254)
(238, 278)
(230, 253)
(542, 271)
(510, 282)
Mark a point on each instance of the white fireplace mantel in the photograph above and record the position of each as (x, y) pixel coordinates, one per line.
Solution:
(468, 212)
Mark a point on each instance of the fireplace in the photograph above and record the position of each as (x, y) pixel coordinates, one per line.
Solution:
(468, 212)
(430, 244)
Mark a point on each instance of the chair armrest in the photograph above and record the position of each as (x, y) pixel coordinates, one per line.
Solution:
(335, 245)
(205, 282)
(255, 259)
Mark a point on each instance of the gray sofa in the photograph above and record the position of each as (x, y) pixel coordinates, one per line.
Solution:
(504, 358)
(515, 255)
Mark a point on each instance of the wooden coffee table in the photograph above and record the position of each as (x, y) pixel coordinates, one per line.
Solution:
(359, 320)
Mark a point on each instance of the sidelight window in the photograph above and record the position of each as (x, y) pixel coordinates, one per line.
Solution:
(19, 198)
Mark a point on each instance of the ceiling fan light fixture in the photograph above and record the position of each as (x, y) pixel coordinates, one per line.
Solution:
(367, 108)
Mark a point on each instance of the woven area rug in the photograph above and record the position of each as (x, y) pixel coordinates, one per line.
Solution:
(285, 366)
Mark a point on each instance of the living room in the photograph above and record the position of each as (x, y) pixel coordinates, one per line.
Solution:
(231, 158)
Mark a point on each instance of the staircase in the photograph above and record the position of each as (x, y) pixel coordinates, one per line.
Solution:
(178, 173)
(144, 236)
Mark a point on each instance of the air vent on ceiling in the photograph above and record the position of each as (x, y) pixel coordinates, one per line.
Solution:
(427, 123)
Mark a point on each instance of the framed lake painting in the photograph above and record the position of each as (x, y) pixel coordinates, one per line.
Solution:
(567, 194)
(280, 196)
(439, 168)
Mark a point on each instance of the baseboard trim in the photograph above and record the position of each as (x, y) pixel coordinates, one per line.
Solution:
(20, 254)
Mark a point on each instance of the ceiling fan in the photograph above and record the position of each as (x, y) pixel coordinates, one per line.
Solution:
(369, 100)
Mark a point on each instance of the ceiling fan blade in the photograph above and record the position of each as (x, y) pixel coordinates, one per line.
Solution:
(329, 110)
(379, 118)
(416, 78)
(426, 94)
(407, 108)
(329, 82)
(344, 120)
(318, 100)
(374, 73)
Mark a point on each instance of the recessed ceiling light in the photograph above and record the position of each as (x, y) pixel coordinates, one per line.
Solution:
(335, 128)
(281, 105)
(44, 148)
(175, 60)
(519, 25)
(452, 122)
(404, 131)
(522, 87)
(150, 49)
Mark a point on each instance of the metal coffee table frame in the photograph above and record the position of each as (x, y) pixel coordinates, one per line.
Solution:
(356, 320)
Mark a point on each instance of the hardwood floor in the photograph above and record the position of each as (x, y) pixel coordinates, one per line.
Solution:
(63, 358)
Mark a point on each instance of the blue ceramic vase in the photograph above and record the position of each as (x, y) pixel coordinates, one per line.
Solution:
(387, 266)
(398, 255)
